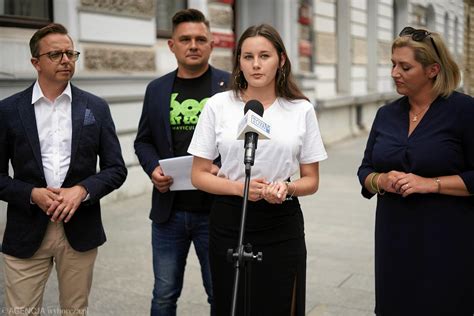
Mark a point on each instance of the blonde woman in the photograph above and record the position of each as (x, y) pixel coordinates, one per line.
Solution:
(419, 161)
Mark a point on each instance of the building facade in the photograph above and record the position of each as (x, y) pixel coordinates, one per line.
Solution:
(340, 51)
(469, 46)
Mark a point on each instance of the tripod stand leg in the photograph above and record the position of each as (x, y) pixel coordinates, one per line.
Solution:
(248, 287)
(248, 282)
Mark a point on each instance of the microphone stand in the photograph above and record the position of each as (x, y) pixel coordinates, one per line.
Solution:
(243, 256)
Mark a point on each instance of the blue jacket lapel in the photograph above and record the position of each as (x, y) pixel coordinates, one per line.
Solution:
(78, 111)
(165, 96)
(26, 111)
(219, 83)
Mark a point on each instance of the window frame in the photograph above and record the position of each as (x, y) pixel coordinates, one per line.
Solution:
(27, 22)
(163, 33)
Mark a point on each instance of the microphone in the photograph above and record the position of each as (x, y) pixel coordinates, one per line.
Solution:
(251, 127)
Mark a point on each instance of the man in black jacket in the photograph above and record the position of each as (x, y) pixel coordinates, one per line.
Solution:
(171, 109)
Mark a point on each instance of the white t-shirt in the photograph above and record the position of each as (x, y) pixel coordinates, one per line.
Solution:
(295, 138)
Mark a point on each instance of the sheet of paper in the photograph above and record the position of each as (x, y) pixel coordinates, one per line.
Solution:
(180, 169)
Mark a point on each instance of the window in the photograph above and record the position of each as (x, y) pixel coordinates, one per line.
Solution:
(446, 26)
(165, 9)
(456, 39)
(26, 13)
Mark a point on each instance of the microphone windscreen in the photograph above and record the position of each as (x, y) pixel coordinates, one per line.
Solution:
(255, 106)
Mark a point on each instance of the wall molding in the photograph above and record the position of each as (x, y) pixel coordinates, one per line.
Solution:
(134, 8)
(122, 60)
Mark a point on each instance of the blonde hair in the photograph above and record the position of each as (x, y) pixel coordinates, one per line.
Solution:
(449, 75)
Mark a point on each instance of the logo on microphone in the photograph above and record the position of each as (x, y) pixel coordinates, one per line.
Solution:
(259, 123)
(253, 123)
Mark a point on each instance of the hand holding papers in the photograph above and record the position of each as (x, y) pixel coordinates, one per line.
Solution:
(180, 169)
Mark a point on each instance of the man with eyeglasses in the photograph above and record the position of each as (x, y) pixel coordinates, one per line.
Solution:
(53, 133)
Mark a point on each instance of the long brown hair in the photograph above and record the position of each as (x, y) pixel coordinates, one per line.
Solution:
(285, 85)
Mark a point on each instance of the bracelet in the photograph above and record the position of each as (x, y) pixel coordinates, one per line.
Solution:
(438, 182)
(379, 191)
(372, 184)
(288, 188)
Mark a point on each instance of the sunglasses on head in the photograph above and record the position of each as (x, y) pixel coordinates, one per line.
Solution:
(418, 35)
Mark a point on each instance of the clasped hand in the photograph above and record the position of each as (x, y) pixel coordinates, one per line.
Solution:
(274, 192)
(59, 203)
(406, 183)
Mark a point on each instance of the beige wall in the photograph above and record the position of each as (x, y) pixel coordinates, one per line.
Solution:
(469, 47)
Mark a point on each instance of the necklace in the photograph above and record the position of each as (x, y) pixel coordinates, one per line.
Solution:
(416, 115)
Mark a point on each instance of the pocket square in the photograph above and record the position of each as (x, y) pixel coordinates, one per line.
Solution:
(89, 118)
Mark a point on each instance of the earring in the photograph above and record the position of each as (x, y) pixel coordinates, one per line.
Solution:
(240, 80)
(237, 78)
(281, 77)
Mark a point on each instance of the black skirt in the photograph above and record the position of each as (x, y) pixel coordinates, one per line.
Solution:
(276, 283)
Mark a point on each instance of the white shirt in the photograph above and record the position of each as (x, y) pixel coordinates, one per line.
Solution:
(54, 124)
(295, 138)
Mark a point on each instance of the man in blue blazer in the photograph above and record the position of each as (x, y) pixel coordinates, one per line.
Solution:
(53, 134)
(171, 109)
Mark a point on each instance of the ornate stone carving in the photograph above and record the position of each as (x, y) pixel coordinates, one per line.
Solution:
(221, 17)
(305, 32)
(359, 51)
(124, 60)
(325, 48)
(305, 63)
(384, 52)
(144, 8)
(222, 62)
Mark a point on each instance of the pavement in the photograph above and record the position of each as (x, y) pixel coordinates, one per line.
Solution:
(339, 226)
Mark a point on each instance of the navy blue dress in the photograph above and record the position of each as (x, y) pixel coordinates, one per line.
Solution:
(424, 243)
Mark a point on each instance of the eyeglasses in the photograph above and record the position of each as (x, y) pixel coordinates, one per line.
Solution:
(57, 55)
(419, 35)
